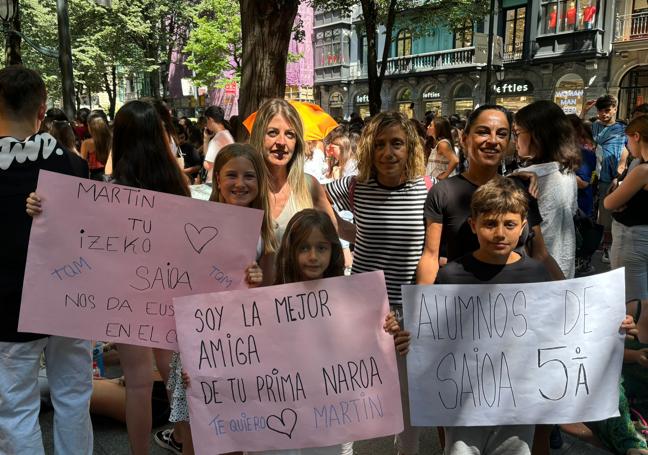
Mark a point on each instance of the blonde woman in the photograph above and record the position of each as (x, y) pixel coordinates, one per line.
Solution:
(278, 134)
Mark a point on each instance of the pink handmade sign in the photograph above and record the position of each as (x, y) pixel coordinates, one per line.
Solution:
(292, 366)
(105, 260)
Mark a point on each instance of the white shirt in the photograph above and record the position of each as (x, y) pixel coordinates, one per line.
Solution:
(220, 140)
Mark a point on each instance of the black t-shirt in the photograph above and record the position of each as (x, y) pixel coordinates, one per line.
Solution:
(191, 156)
(448, 203)
(19, 166)
(469, 270)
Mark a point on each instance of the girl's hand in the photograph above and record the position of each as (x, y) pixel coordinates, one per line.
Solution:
(391, 325)
(186, 382)
(402, 342)
(629, 327)
(253, 275)
(34, 205)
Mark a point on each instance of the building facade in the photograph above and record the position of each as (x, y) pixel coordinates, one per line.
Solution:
(543, 49)
(629, 61)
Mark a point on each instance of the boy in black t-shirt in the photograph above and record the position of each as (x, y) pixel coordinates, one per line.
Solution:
(498, 216)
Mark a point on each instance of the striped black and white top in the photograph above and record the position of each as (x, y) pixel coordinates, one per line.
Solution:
(390, 228)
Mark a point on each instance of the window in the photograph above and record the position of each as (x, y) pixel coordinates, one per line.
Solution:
(464, 35)
(403, 43)
(463, 99)
(514, 33)
(330, 48)
(569, 15)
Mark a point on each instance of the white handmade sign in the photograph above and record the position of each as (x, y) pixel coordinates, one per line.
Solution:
(515, 353)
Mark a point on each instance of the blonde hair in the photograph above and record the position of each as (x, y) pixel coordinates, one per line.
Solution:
(270, 242)
(298, 181)
(415, 167)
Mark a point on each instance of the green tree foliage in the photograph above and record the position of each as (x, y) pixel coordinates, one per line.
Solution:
(130, 37)
(214, 46)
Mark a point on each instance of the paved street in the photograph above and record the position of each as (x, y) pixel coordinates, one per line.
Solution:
(111, 438)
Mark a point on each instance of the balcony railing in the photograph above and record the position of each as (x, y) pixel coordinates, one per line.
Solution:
(454, 58)
(630, 27)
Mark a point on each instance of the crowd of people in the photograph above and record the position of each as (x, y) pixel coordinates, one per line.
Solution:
(490, 198)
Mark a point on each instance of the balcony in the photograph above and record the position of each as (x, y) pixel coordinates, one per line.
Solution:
(631, 27)
(442, 60)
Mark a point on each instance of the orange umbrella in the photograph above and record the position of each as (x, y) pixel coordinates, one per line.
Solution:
(317, 123)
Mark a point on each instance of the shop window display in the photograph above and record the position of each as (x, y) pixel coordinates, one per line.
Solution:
(569, 15)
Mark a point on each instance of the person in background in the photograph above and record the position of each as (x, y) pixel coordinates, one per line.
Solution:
(315, 160)
(628, 203)
(81, 126)
(216, 135)
(96, 149)
(442, 160)
(545, 140)
(192, 159)
(62, 131)
(609, 136)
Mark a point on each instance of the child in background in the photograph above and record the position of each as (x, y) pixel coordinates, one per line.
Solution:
(239, 179)
(310, 250)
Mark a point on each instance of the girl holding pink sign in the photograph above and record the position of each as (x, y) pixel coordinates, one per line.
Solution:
(240, 179)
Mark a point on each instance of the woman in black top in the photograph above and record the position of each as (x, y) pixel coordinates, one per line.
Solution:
(447, 207)
(630, 226)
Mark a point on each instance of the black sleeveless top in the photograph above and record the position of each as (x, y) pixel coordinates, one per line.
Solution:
(635, 212)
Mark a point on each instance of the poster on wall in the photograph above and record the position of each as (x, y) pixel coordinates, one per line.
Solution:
(569, 93)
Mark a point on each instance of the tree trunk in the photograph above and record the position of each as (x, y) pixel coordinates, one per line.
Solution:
(110, 84)
(65, 58)
(266, 27)
(13, 40)
(376, 76)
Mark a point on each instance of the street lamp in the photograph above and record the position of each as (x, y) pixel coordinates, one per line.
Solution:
(8, 9)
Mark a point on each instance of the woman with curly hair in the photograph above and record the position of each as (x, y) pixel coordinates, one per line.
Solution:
(386, 199)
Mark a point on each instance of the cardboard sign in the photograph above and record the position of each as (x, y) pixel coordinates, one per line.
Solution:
(292, 366)
(105, 260)
(515, 353)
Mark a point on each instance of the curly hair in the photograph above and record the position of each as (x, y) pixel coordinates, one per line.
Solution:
(299, 228)
(415, 166)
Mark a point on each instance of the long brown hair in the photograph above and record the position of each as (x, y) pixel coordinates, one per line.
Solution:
(270, 242)
(552, 134)
(141, 153)
(101, 138)
(299, 228)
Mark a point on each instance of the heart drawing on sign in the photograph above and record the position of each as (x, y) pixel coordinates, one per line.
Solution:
(199, 238)
(284, 424)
